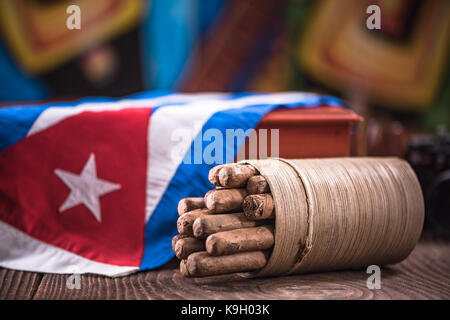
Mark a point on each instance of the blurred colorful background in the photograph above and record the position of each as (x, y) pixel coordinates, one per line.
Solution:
(397, 78)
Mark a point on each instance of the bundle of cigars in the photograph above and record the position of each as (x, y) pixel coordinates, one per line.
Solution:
(279, 217)
(231, 229)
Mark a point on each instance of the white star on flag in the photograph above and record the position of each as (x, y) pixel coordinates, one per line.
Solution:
(85, 188)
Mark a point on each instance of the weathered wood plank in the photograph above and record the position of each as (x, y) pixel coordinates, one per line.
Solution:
(18, 285)
(424, 275)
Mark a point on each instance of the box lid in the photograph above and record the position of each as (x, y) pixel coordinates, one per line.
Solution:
(325, 114)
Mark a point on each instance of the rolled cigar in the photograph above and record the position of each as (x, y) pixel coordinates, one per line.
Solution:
(202, 264)
(184, 222)
(184, 247)
(206, 225)
(176, 238)
(235, 176)
(259, 206)
(240, 240)
(225, 200)
(183, 269)
(257, 184)
(189, 204)
(213, 175)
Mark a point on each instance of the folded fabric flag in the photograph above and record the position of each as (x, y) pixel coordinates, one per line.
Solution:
(93, 186)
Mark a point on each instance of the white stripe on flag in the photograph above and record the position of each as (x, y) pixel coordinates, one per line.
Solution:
(53, 115)
(22, 252)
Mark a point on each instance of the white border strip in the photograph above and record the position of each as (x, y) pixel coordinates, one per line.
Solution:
(22, 252)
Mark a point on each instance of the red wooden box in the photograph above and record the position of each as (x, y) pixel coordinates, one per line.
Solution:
(308, 133)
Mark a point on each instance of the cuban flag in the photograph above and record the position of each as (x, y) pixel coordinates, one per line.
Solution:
(93, 185)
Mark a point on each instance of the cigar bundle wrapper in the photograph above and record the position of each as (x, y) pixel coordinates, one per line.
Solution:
(339, 213)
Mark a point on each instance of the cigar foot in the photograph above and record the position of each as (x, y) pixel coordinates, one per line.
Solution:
(183, 269)
(184, 247)
(240, 240)
(236, 176)
(225, 200)
(213, 175)
(176, 238)
(206, 225)
(257, 185)
(258, 206)
(201, 264)
(189, 204)
(185, 222)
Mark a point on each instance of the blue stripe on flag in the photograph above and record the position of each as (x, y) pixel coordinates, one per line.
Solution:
(15, 123)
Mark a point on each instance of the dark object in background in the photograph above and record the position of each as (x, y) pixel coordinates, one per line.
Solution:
(386, 138)
(429, 156)
(112, 69)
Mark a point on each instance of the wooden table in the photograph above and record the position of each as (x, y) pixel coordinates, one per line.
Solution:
(425, 274)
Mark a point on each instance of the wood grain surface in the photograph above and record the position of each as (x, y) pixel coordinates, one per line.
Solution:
(425, 274)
